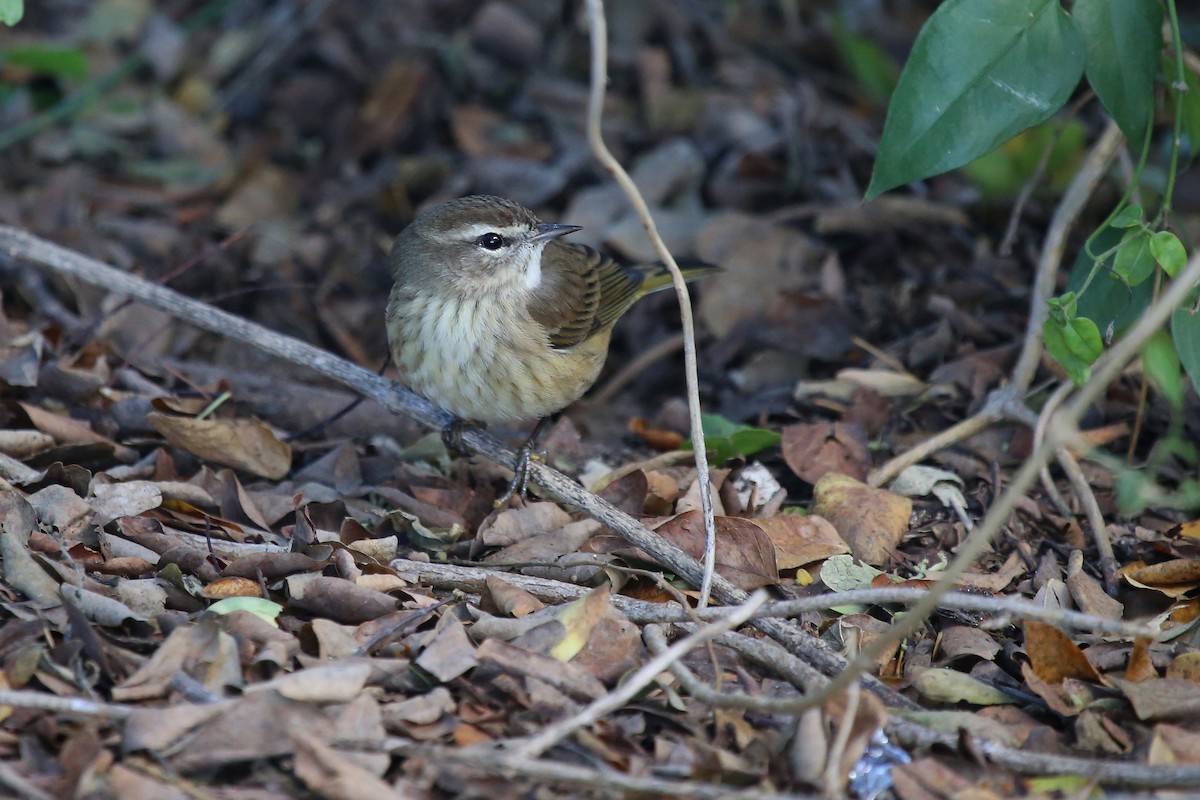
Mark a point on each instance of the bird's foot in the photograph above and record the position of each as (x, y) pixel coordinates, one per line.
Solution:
(452, 435)
(519, 485)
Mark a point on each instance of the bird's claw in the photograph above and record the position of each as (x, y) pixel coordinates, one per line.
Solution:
(452, 435)
(519, 485)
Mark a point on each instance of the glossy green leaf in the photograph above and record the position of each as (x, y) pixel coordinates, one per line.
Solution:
(980, 72)
(11, 11)
(1185, 333)
(1133, 261)
(724, 439)
(1129, 216)
(1123, 40)
(1168, 252)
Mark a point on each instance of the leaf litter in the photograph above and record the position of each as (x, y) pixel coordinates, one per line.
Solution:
(244, 598)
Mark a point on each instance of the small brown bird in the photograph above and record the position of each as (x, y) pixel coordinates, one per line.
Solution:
(495, 319)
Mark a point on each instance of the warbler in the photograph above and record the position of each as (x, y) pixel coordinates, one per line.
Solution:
(496, 319)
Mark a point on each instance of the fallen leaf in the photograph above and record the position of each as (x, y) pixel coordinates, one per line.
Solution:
(1172, 578)
(952, 686)
(1054, 657)
(801, 539)
(872, 521)
(745, 556)
(239, 443)
(813, 450)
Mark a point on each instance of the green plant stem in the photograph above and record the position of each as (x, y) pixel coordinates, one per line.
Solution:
(1178, 87)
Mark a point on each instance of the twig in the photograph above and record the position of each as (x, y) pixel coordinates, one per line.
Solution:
(629, 688)
(496, 762)
(19, 785)
(1079, 484)
(473, 579)
(41, 701)
(599, 78)
(835, 783)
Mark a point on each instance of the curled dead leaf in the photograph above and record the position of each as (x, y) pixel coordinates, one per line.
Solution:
(240, 443)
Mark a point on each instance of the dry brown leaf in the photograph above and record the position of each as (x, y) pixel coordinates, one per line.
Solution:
(1067, 698)
(231, 587)
(628, 492)
(1054, 657)
(334, 774)
(815, 449)
(240, 443)
(660, 439)
(340, 600)
(1185, 667)
(1174, 745)
(579, 618)
(1172, 578)
(801, 539)
(501, 597)
(1162, 698)
(449, 652)
(1140, 667)
(745, 556)
(957, 641)
(517, 524)
(872, 521)
(1089, 596)
(271, 566)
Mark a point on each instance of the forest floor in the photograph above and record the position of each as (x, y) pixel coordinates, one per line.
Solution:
(204, 595)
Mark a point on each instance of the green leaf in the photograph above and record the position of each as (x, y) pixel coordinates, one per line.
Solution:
(1075, 344)
(11, 11)
(1185, 333)
(1108, 300)
(1168, 252)
(725, 439)
(1083, 338)
(1133, 261)
(1161, 364)
(980, 72)
(1123, 40)
(1129, 216)
(260, 607)
(63, 61)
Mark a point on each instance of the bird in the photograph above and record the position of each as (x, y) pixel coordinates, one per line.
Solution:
(494, 318)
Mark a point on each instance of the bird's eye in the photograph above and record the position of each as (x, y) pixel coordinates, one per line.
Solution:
(490, 241)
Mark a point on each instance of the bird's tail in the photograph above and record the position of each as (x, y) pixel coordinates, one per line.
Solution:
(656, 277)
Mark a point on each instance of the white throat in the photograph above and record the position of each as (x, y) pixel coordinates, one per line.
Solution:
(533, 270)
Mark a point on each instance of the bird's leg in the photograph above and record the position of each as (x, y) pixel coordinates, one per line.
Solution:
(453, 432)
(519, 484)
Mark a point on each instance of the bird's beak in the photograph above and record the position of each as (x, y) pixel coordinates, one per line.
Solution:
(548, 231)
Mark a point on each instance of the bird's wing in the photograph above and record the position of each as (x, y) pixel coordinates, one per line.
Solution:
(581, 292)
